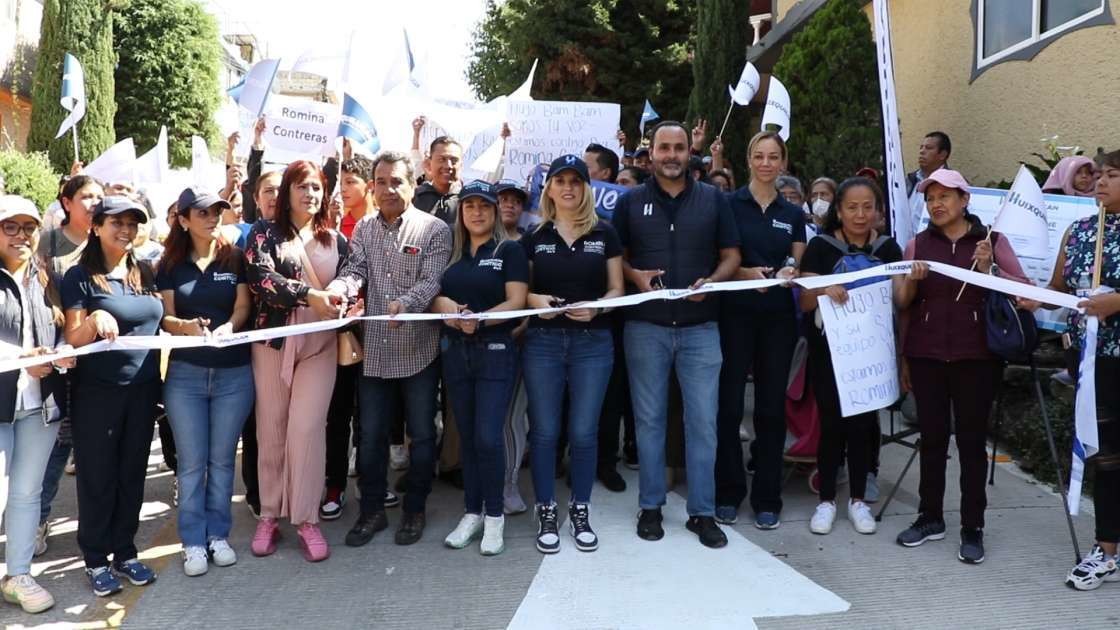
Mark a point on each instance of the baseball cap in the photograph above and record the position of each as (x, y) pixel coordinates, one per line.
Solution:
(195, 198)
(482, 190)
(15, 206)
(640, 151)
(117, 204)
(510, 186)
(569, 163)
(945, 177)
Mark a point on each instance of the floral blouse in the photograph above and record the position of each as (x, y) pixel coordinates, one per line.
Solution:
(1080, 249)
(276, 275)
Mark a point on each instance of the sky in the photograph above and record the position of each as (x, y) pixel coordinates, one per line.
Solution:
(439, 30)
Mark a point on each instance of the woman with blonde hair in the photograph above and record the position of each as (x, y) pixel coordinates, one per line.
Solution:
(574, 258)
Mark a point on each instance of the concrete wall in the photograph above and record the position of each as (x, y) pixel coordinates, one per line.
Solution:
(1069, 89)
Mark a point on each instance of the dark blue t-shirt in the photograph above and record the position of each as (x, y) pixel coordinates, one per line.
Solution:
(573, 273)
(210, 294)
(479, 281)
(136, 314)
(766, 240)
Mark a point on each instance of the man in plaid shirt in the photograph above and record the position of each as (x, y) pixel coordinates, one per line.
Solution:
(397, 256)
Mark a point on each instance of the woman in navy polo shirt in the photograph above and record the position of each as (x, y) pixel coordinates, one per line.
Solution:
(758, 332)
(487, 273)
(110, 294)
(208, 391)
(574, 257)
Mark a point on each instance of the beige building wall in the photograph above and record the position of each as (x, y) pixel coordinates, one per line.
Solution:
(1069, 89)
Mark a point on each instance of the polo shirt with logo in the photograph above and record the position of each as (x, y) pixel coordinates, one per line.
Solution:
(766, 240)
(573, 273)
(210, 294)
(479, 281)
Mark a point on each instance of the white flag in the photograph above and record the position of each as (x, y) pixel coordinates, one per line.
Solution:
(117, 165)
(778, 110)
(201, 164)
(257, 86)
(903, 213)
(1023, 217)
(153, 166)
(749, 81)
(73, 93)
(522, 93)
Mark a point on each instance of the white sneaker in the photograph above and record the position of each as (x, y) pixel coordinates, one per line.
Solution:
(512, 502)
(398, 457)
(222, 553)
(469, 527)
(859, 513)
(41, 536)
(195, 562)
(823, 518)
(493, 541)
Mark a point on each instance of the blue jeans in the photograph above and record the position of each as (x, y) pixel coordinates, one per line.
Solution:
(25, 446)
(207, 408)
(480, 372)
(651, 352)
(377, 407)
(577, 362)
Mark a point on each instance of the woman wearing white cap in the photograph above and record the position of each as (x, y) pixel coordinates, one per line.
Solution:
(947, 362)
(32, 399)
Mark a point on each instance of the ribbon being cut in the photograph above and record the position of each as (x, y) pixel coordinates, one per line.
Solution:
(162, 342)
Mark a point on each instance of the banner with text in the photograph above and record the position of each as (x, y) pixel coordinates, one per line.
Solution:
(298, 128)
(860, 334)
(544, 130)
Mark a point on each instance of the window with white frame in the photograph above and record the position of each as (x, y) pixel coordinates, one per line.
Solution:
(1005, 27)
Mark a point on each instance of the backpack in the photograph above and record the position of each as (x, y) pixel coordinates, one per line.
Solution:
(853, 259)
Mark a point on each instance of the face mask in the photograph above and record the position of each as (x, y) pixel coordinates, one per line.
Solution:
(820, 208)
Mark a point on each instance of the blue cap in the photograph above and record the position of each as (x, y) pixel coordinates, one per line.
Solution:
(194, 198)
(482, 190)
(508, 185)
(569, 163)
(640, 151)
(117, 204)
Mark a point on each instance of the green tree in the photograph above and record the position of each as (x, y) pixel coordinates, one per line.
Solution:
(620, 51)
(170, 59)
(29, 175)
(722, 28)
(83, 28)
(829, 69)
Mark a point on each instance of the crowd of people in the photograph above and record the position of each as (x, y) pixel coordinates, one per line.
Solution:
(467, 399)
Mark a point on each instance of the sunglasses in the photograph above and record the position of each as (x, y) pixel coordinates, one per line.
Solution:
(11, 228)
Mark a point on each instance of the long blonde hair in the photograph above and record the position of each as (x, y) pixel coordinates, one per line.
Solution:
(461, 238)
(586, 217)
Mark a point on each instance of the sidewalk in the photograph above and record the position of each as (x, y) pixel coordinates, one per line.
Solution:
(787, 578)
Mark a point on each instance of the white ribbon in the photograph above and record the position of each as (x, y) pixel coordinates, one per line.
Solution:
(163, 342)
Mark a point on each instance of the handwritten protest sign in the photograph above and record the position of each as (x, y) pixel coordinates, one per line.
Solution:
(860, 335)
(544, 130)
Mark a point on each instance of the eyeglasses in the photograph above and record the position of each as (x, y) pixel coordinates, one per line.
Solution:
(11, 229)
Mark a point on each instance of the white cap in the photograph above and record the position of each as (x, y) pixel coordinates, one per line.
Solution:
(14, 206)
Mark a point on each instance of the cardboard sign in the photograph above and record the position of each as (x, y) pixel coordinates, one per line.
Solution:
(860, 335)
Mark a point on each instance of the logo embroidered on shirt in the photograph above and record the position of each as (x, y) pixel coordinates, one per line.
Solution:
(493, 263)
(226, 277)
(647, 210)
(545, 249)
(594, 247)
(783, 226)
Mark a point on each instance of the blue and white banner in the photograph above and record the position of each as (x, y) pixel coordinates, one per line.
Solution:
(73, 93)
(255, 89)
(357, 125)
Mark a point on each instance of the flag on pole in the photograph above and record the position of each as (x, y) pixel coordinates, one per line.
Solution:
(522, 93)
(401, 68)
(254, 90)
(200, 162)
(1022, 217)
(648, 114)
(117, 165)
(357, 125)
(1086, 442)
(749, 82)
(777, 108)
(73, 93)
(153, 167)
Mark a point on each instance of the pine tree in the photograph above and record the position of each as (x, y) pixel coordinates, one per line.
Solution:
(170, 59)
(83, 28)
(722, 36)
(830, 72)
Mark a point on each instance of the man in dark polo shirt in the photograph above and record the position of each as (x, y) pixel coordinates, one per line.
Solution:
(439, 194)
(676, 233)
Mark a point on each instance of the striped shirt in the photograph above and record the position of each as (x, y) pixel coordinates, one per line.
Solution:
(400, 261)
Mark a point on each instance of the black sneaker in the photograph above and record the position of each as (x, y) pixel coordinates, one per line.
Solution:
(707, 531)
(922, 530)
(586, 540)
(410, 529)
(548, 532)
(611, 480)
(391, 499)
(649, 525)
(972, 545)
(366, 526)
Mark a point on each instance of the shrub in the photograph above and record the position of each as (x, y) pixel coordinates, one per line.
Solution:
(29, 175)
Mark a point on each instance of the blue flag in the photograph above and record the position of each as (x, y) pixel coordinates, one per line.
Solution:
(357, 125)
(647, 115)
(73, 93)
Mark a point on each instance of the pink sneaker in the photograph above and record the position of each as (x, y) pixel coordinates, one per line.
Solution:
(264, 539)
(311, 540)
